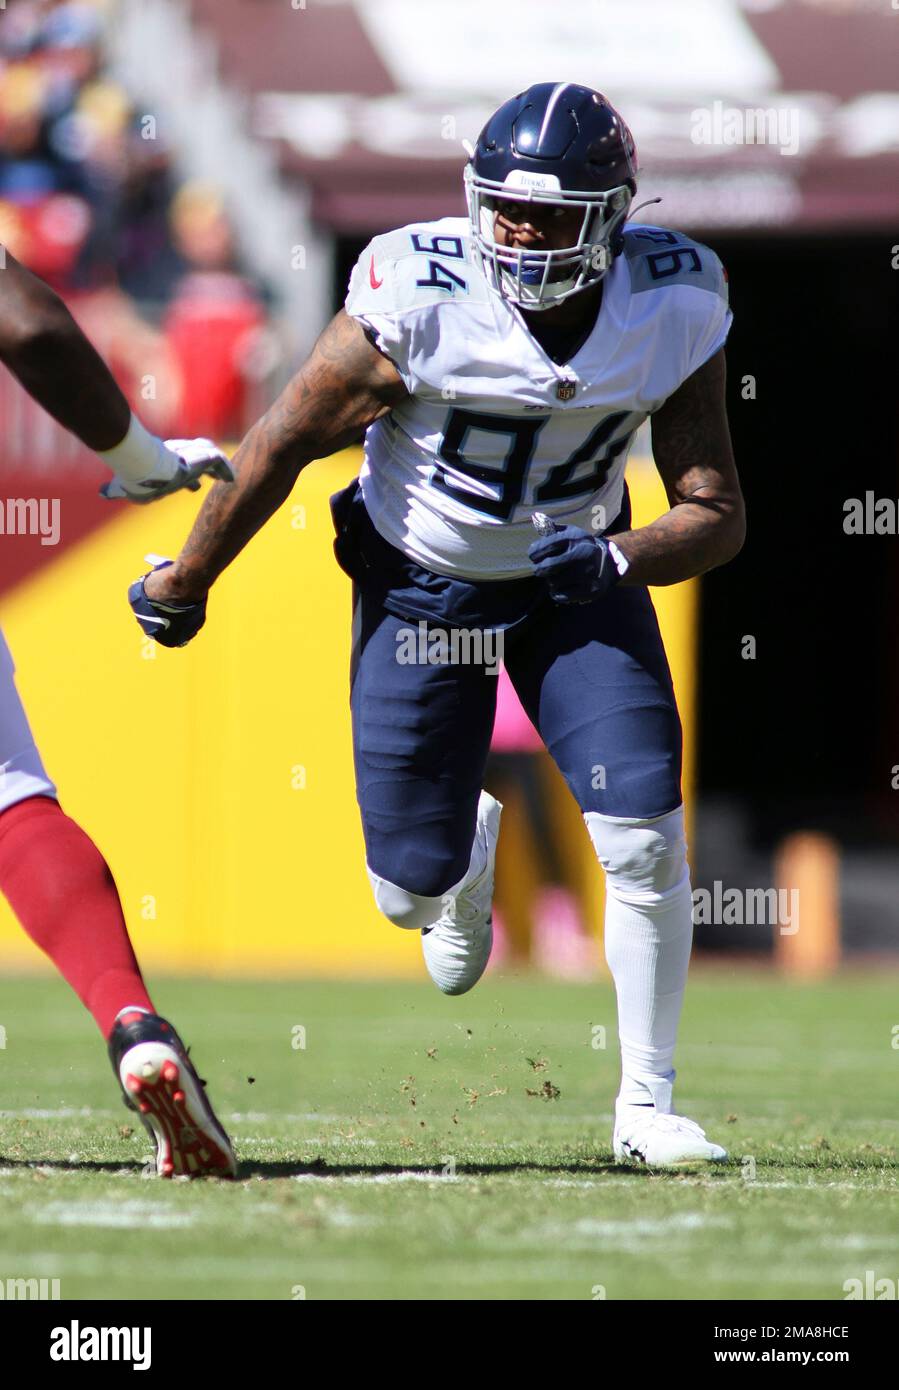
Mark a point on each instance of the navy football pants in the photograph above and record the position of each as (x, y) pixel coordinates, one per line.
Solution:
(594, 680)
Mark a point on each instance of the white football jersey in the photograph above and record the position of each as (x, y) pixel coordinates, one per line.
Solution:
(493, 429)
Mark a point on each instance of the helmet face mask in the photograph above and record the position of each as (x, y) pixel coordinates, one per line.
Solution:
(540, 279)
(556, 145)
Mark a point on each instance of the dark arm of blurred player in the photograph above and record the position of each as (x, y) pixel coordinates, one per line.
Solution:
(345, 384)
(42, 345)
(706, 524)
(47, 352)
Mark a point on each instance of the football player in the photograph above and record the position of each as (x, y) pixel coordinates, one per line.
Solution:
(500, 365)
(53, 876)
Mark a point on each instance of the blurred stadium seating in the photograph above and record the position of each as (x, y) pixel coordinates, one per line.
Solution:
(91, 199)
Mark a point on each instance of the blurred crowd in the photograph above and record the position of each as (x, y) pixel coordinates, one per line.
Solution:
(91, 200)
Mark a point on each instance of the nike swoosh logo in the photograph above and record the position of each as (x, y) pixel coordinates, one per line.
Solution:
(375, 284)
(148, 618)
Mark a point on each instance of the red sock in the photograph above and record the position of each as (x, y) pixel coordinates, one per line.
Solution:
(59, 886)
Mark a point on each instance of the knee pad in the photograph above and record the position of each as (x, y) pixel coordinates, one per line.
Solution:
(412, 911)
(643, 859)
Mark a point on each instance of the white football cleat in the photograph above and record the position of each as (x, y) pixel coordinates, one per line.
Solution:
(644, 1135)
(457, 947)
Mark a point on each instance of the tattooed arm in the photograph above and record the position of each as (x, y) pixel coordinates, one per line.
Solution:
(706, 524)
(345, 384)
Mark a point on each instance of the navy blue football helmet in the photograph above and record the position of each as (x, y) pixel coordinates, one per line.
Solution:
(555, 143)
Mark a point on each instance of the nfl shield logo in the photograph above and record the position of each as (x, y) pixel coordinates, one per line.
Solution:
(565, 390)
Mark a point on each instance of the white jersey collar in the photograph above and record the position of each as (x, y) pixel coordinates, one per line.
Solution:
(598, 348)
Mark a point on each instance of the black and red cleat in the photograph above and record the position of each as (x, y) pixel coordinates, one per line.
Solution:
(159, 1082)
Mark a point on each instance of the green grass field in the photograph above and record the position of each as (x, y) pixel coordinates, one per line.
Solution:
(344, 1143)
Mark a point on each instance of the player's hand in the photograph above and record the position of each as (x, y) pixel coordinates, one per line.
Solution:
(168, 622)
(194, 458)
(577, 567)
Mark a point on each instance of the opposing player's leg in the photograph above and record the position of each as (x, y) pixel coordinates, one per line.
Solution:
(421, 732)
(595, 680)
(60, 888)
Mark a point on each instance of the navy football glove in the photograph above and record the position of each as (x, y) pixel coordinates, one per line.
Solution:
(169, 624)
(577, 567)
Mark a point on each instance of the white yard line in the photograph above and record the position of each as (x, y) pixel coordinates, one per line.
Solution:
(261, 1117)
(627, 1236)
(366, 1179)
(62, 1112)
(204, 1269)
(113, 1214)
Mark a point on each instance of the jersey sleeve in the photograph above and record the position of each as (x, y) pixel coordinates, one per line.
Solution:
(685, 282)
(400, 284)
(711, 316)
(374, 299)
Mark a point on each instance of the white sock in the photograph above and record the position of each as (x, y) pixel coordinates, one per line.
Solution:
(140, 456)
(648, 936)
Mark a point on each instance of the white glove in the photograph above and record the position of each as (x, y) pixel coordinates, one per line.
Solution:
(179, 463)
